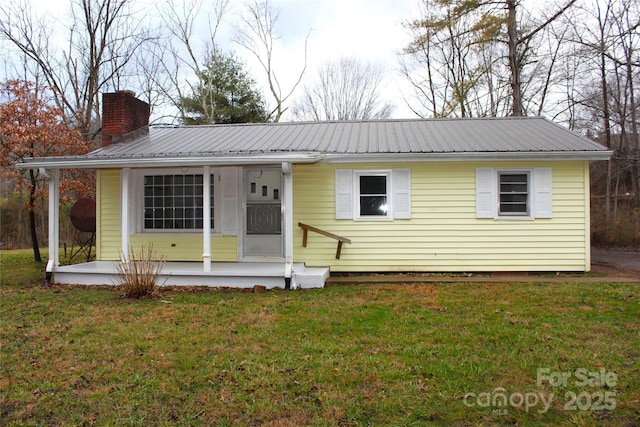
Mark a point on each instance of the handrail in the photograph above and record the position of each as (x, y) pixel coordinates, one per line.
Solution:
(306, 228)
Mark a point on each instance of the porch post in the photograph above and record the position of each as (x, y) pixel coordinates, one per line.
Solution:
(54, 220)
(206, 218)
(124, 212)
(288, 223)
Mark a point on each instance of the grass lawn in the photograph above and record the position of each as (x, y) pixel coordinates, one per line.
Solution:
(406, 354)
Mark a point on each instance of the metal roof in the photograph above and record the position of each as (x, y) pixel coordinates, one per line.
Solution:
(345, 141)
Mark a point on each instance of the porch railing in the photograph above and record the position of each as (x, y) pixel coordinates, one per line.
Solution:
(306, 228)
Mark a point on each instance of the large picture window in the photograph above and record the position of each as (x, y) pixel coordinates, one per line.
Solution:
(175, 202)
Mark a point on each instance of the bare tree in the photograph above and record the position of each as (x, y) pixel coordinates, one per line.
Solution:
(449, 70)
(187, 41)
(102, 39)
(258, 35)
(607, 32)
(483, 22)
(346, 89)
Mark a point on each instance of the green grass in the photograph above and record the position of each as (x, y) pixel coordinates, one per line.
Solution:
(346, 355)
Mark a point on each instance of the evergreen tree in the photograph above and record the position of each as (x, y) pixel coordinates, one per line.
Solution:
(225, 93)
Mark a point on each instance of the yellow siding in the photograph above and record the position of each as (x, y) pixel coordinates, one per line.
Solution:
(187, 247)
(174, 247)
(444, 233)
(108, 242)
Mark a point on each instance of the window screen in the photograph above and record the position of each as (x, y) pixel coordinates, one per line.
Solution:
(514, 193)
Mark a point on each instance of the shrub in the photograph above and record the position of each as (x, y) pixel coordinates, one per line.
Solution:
(623, 230)
(138, 277)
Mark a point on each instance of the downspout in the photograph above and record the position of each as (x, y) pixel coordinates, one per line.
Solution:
(53, 176)
(287, 206)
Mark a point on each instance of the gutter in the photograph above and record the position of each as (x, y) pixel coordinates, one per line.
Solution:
(84, 162)
(468, 156)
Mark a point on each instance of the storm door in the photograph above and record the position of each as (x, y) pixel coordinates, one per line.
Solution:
(263, 213)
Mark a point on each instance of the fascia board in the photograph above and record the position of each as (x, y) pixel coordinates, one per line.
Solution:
(82, 162)
(457, 157)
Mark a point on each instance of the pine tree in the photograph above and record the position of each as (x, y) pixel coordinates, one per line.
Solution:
(225, 93)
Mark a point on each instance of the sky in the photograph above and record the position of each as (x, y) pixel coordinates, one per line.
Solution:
(369, 30)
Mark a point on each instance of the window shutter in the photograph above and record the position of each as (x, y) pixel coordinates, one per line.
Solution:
(344, 194)
(542, 204)
(401, 181)
(229, 209)
(485, 193)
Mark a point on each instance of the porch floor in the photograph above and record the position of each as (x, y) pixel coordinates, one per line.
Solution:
(222, 274)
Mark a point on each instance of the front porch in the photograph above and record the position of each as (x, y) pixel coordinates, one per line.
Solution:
(222, 274)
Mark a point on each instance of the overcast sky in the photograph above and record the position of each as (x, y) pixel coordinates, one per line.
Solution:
(370, 30)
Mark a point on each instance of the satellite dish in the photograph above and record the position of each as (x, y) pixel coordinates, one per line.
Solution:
(83, 215)
(83, 218)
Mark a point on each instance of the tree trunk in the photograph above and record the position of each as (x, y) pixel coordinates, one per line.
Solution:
(634, 150)
(514, 63)
(607, 121)
(32, 219)
(615, 197)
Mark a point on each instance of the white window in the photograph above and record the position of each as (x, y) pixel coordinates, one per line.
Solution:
(513, 197)
(513, 193)
(171, 200)
(373, 194)
(175, 201)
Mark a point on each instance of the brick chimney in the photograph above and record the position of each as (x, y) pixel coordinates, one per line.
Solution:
(122, 113)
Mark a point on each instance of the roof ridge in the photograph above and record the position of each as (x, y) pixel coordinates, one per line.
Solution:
(322, 122)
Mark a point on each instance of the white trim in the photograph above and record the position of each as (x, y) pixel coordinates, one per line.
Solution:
(539, 193)
(54, 219)
(82, 162)
(344, 201)
(398, 193)
(466, 156)
(227, 197)
(530, 174)
(486, 203)
(206, 218)
(387, 173)
(287, 207)
(137, 183)
(542, 193)
(401, 193)
(587, 217)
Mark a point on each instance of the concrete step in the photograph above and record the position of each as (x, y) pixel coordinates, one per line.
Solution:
(310, 277)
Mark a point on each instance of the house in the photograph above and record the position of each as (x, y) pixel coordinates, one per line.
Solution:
(284, 204)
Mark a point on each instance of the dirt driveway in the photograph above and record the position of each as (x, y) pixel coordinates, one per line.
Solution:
(616, 262)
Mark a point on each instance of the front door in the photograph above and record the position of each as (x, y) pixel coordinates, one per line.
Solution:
(263, 213)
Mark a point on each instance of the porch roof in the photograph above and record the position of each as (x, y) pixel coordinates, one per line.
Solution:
(511, 138)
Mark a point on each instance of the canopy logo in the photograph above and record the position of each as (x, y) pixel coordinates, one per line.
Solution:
(500, 400)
